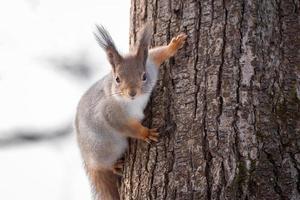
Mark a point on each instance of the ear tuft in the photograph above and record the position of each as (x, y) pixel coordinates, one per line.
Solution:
(144, 42)
(107, 44)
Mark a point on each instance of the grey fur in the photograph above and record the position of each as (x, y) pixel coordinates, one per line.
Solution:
(107, 44)
(103, 38)
(99, 115)
(143, 43)
(105, 109)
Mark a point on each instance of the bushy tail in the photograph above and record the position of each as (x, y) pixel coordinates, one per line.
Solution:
(104, 184)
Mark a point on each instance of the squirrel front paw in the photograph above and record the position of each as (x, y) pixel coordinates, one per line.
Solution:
(138, 131)
(150, 135)
(178, 41)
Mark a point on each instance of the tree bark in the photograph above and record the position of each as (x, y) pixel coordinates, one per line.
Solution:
(228, 103)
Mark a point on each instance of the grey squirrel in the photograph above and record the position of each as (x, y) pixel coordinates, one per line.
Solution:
(112, 109)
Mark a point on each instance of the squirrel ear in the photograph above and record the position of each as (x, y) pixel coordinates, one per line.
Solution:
(114, 58)
(107, 44)
(143, 43)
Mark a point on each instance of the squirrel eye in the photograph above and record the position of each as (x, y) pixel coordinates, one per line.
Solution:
(144, 77)
(118, 79)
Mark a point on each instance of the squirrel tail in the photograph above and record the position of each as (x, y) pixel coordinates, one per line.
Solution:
(104, 184)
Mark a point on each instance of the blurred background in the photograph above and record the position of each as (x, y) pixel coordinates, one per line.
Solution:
(48, 59)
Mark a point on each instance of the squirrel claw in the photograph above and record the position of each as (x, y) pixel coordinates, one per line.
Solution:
(119, 164)
(152, 135)
(117, 167)
(178, 41)
(147, 140)
(117, 172)
(153, 138)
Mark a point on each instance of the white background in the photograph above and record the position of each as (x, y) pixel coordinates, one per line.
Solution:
(37, 96)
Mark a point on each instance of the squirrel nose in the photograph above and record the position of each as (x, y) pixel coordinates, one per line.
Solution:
(132, 93)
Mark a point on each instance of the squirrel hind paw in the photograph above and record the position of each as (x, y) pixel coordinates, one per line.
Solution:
(117, 168)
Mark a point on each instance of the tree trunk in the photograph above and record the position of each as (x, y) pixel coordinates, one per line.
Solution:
(228, 103)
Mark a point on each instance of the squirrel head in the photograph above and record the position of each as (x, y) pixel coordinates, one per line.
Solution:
(130, 78)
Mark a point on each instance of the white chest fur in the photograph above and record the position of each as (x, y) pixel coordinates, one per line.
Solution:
(135, 108)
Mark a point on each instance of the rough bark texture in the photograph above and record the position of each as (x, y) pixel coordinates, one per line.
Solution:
(227, 104)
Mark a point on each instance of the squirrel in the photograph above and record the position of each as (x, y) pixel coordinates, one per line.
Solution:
(112, 109)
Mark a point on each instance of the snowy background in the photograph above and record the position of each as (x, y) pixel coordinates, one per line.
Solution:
(48, 58)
